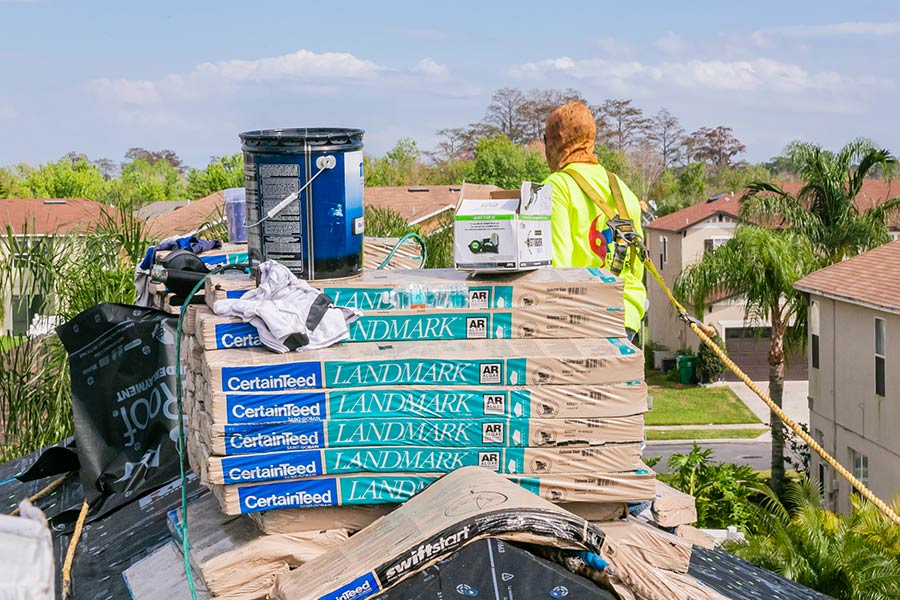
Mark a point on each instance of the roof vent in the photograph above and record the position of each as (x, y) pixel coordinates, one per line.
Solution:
(455, 189)
(418, 189)
(54, 201)
(716, 197)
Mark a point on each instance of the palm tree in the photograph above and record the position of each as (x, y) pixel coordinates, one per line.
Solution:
(760, 265)
(797, 538)
(825, 209)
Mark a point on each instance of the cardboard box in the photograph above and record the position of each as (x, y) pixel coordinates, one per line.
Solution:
(254, 438)
(348, 490)
(504, 230)
(549, 401)
(222, 333)
(273, 466)
(440, 288)
(445, 363)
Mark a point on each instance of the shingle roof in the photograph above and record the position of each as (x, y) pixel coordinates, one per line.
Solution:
(188, 219)
(871, 278)
(680, 220)
(416, 204)
(50, 215)
(160, 208)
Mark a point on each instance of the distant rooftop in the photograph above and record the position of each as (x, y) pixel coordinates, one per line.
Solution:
(45, 216)
(160, 208)
(188, 218)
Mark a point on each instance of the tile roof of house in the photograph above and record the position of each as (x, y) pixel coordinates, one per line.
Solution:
(871, 278)
(189, 218)
(50, 215)
(415, 204)
(873, 193)
(682, 219)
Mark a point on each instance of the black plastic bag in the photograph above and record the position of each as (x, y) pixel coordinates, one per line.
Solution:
(122, 365)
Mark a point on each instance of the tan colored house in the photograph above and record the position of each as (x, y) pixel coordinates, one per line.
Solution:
(29, 220)
(854, 371)
(679, 239)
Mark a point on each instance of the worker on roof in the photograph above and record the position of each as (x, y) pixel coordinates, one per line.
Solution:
(581, 235)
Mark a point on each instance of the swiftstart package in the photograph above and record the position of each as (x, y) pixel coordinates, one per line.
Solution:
(446, 363)
(273, 466)
(580, 288)
(220, 333)
(461, 508)
(547, 401)
(392, 488)
(227, 440)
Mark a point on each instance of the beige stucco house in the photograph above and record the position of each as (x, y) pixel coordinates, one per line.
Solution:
(681, 238)
(854, 373)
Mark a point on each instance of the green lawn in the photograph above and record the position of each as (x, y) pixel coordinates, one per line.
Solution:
(674, 404)
(7, 342)
(702, 434)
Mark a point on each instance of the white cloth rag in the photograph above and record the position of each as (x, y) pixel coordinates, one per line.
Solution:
(26, 556)
(288, 313)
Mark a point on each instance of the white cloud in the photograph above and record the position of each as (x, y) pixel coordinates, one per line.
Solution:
(432, 69)
(299, 65)
(766, 38)
(746, 75)
(671, 43)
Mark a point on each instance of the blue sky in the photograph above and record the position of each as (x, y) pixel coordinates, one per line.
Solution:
(101, 77)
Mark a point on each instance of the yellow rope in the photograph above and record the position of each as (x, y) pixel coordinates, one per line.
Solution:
(704, 332)
(70, 552)
(55, 484)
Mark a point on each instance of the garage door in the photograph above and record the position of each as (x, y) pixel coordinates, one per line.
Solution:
(749, 348)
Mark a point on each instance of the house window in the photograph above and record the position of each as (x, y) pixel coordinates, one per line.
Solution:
(23, 313)
(880, 342)
(663, 251)
(814, 334)
(711, 244)
(859, 466)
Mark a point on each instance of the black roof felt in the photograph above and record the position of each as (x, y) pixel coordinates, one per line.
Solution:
(109, 545)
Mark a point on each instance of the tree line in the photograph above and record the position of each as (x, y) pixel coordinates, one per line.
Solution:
(144, 176)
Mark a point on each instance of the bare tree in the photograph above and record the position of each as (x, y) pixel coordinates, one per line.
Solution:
(108, 168)
(667, 135)
(715, 146)
(538, 106)
(621, 124)
(647, 164)
(506, 113)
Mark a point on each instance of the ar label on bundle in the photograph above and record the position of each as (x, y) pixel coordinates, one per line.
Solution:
(478, 299)
(492, 433)
(489, 373)
(489, 460)
(494, 404)
(476, 328)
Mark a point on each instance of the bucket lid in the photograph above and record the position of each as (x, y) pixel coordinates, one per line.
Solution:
(292, 140)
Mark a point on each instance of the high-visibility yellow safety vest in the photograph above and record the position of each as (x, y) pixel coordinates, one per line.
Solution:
(581, 237)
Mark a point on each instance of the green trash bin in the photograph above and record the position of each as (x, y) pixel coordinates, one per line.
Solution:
(687, 366)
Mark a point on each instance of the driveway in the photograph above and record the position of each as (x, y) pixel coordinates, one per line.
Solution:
(794, 400)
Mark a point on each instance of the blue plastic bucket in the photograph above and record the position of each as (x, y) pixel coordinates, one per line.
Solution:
(320, 235)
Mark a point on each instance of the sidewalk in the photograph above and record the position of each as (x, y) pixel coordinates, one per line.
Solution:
(794, 402)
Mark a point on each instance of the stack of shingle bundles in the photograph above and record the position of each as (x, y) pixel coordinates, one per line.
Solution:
(526, 374)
